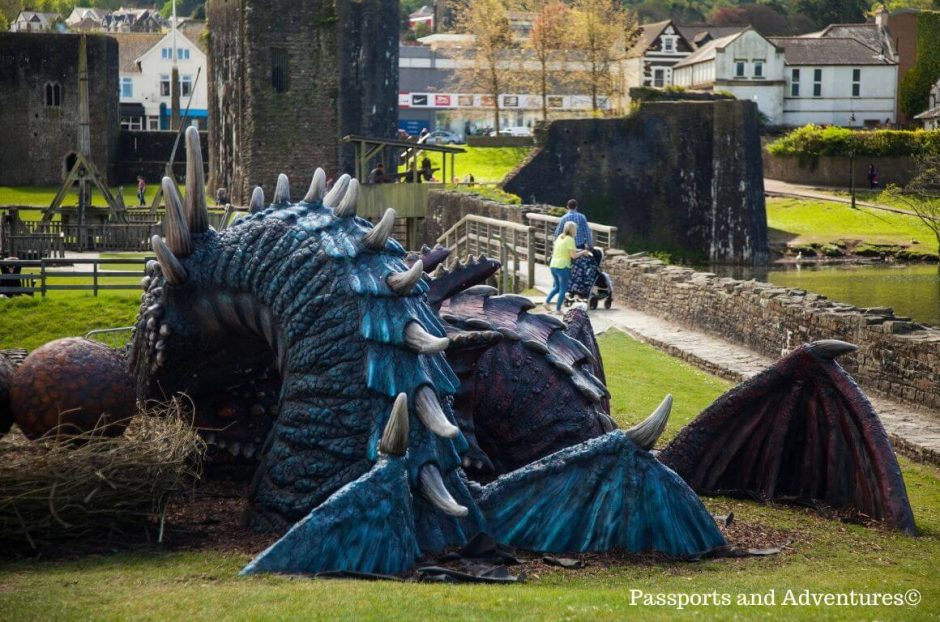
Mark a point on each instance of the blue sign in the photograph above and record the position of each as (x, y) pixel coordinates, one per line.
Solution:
(412, 126)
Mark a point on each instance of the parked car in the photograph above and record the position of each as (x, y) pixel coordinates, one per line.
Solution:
(519, 130)
(443, 137)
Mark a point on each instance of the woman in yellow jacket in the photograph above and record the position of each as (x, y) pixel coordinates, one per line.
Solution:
(563, 252)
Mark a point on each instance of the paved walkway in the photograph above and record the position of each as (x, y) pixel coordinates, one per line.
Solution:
(774, 187)
(915, 434)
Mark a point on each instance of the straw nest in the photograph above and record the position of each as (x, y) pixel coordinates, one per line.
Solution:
(90, 485)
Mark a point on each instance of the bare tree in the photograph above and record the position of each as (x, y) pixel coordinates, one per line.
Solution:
(490, 72)
(922, 193)
(547, 38)
(603, 32)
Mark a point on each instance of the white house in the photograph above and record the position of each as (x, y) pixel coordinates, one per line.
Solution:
(744, 64)
(657, 50)
(837, 81)
(146, 65)
(33, 21)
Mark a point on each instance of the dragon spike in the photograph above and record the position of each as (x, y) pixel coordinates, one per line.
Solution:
(394, 440)
(175, 229)
(317, 187)
(257, 200)
(831, 348)
(647, 431)
(336, 193)
(377, 238)
(197, 212)
(347, 207)
(432, 487)
(431, 414)
(402, 282)
(422, 341)
(282, 190)
(173, 270)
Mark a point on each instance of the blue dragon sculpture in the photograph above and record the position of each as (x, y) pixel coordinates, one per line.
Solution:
(363, 462)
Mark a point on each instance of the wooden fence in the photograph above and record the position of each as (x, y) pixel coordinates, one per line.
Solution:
(41, 276)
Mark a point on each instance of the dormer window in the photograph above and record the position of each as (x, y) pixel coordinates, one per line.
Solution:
(669, 44)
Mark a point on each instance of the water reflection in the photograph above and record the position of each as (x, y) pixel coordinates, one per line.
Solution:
(912, 290)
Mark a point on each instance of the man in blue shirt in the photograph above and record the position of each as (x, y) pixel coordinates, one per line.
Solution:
(583, 238)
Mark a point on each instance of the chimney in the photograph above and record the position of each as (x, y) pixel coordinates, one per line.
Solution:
(881, 17)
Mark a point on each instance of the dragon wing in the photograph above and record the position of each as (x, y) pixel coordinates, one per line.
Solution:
(801, 431)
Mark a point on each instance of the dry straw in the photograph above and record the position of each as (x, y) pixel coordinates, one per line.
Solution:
(95, 486)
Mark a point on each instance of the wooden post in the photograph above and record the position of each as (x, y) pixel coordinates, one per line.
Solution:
(42, 277)
(94, 278)
(530, 256)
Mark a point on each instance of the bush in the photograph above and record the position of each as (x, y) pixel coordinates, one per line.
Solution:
(814, 141)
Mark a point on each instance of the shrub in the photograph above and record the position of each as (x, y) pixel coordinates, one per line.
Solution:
(814, 141)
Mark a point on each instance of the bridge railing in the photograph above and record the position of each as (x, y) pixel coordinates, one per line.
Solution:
(604, 236)
(511, 242)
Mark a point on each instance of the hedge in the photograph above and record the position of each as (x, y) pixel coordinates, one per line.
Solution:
(814, 141)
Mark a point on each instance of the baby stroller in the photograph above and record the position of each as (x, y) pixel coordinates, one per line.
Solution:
(588, 283)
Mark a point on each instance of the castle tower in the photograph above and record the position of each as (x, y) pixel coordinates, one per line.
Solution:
(289, 79)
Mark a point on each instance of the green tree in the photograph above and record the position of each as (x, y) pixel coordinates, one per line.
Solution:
(548, 38)
(825, 12)
(915, 85)
(922, 194)
(603, 31)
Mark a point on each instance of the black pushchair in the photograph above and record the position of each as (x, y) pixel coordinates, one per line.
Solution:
(588, 283)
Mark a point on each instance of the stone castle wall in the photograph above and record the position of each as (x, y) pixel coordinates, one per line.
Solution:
(445, 209)
(341, 61)
(682, 176)
(896, 358)
(837, 170)
(37, 137)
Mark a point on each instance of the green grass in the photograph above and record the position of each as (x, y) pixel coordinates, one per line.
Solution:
(825, 556)
(809, 220)
(27, 322)
(41, 196)
(487, 164)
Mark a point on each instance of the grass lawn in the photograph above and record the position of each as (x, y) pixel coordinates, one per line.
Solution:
(824, 557)
(808, 220)
(30, 322)
(487, 164)
(41, 196)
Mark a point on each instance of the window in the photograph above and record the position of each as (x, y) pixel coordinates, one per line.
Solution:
(739, 68)
(659, 78)
(669, 44)
(53, 94)
(127, 87)
(794, 83)
(856, 82)
(153, 123)
(817, 82)
(758, 68)
(164, 85)
(182, 53)
(166, 53)
(279, 76)
(186, 86)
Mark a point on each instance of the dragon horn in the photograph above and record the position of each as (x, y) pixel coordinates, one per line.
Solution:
(173, 270)
(402, 282)
(335, 195)
(317, 187)
(647, 432)
(377, 238)
(431, 414)
(422, 341)
(175, 229)
(831, 348)
(197, 212)
(257, 200)
(394, 440)
(432, 487)
(282, 189)
(347, 207)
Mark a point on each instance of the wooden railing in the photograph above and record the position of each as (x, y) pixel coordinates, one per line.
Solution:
(511, 242)
(18, 276)
(604, 236)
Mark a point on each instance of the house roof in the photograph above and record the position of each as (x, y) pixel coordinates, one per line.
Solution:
(46, 19)
(707, 51)
(648, 34)
(828, 51)
(870, 33)
(133, 45)
(933, 113)
(81, 13)
(694, 33)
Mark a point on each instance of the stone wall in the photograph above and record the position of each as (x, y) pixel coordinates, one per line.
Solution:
(679, 176)
(145, 152)
(896, 358)
(340, 69)
(835, 170)
(445, 209)
(35, 137)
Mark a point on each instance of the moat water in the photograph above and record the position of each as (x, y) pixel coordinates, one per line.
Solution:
(912, 289)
